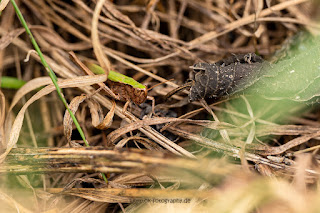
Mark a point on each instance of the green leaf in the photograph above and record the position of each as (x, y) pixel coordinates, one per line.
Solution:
(296, 76)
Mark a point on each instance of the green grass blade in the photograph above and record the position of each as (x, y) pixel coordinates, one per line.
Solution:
(49, 70)
(52, 76)
(11, 82)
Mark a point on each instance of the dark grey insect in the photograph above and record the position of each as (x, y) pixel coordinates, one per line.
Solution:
(223, 78)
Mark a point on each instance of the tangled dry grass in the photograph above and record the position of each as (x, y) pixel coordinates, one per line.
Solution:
(151, 160)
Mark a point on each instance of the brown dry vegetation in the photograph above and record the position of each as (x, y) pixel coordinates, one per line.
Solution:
(151, 41)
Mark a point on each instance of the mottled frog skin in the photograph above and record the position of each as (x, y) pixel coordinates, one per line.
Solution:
(225, 77)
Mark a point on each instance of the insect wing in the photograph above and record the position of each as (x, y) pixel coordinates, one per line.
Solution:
(225, 80)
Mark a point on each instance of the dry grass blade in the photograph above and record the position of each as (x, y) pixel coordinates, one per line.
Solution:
(241, 22)
(13, 203)
(144, 141)
(131, 195)
(96, 114)
(140, 69)
(3, 4)
(147, 130)
(286, 130)
(76, 60)
(98, 159)
(97, 118)
(67, 120)
(2, 117)
(7, 39)
(294, 142)
(236, 152)
(97, 48)
(28, 87)
(138, 124)
(16, 127)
